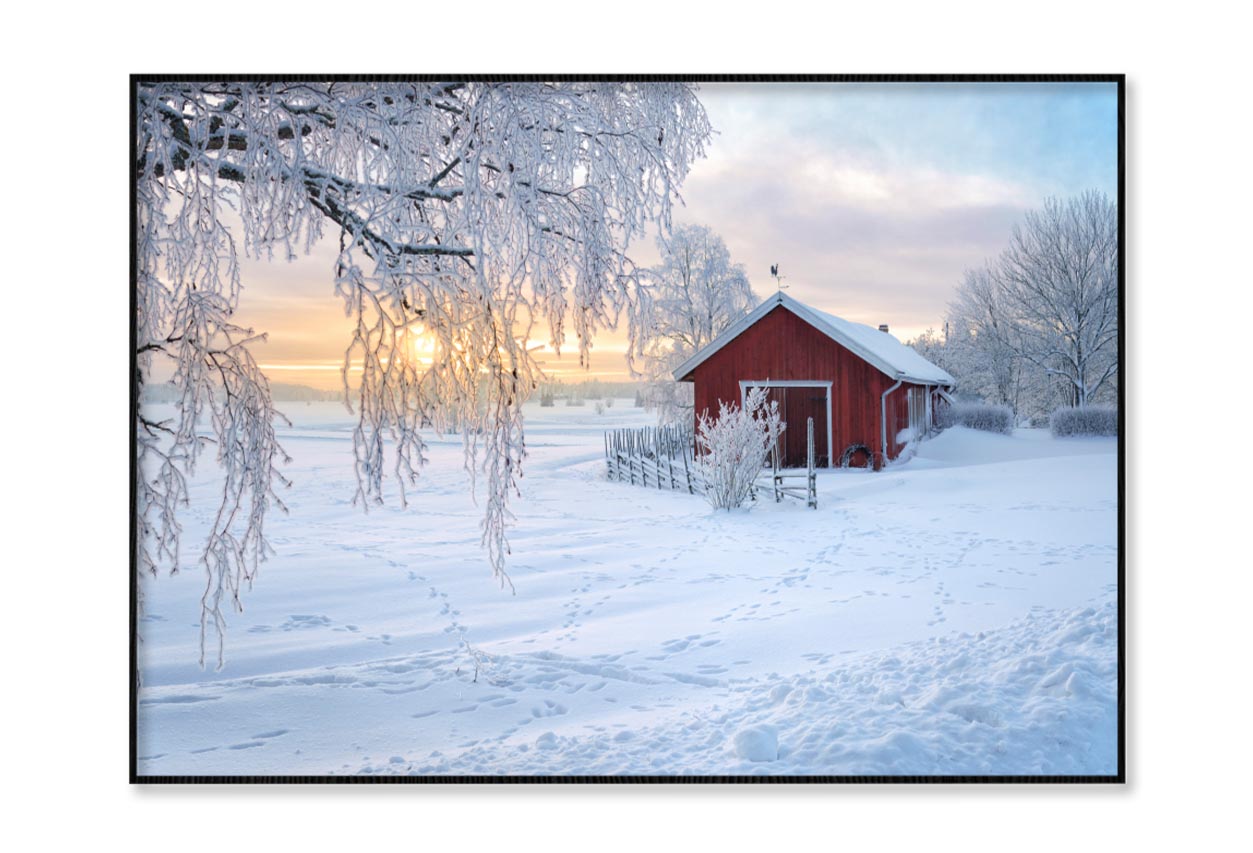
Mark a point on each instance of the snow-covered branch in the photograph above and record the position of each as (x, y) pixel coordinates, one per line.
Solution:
(470, 217)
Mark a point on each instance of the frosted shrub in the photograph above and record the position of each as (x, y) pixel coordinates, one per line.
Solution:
(982, 416)
(977, 416)
(599, 407)
(1089, 420)
(734, 447)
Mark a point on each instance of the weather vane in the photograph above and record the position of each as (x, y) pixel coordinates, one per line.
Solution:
(778, 279)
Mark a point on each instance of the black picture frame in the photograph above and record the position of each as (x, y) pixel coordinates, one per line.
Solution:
(1119, 777)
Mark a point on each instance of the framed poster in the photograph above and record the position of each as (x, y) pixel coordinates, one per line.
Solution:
(588, 429)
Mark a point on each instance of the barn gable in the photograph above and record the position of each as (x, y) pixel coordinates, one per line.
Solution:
(876, 348)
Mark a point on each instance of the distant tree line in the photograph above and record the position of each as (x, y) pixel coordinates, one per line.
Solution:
(588, 389)
(280, 392)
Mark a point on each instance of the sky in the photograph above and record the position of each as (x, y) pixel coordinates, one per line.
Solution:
(872, 198)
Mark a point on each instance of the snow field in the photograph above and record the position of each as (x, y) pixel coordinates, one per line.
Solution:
(951, 615)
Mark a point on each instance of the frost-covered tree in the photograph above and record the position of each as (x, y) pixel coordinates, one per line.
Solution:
(734, 446)
(474, 217)
(1058, 281)
(982, 345)
(697, 292)
(1037, 327)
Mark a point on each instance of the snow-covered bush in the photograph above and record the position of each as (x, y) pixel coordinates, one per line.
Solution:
(609, 402)
(1088, 420)
(984, 416)
(734, 447)
(599, 407)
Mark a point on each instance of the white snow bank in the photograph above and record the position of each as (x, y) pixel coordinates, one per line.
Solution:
(960, 445)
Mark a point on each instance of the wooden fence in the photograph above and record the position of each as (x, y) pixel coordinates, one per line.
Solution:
(665, 458)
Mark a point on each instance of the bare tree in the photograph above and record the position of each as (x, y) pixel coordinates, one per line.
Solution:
(1058, 281)
(471, 216)
(982, 342)
(697, 293)
(1037, 326)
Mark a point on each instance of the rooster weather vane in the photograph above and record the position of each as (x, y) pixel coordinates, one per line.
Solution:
(778, 279)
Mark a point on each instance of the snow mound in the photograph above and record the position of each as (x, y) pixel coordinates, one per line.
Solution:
(963, 446)
(758, 743)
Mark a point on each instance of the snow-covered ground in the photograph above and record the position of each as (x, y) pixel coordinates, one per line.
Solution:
(953, 615)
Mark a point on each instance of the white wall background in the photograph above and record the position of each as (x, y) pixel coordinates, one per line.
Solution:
(65, 521)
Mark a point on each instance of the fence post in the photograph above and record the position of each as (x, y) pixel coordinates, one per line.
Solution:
(687, 473)
(812, 479)
(657, 455)
(775, 480)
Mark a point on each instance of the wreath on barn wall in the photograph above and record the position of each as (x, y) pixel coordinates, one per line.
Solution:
(846, 458)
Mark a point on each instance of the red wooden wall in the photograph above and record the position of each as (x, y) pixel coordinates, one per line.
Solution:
(782, 346)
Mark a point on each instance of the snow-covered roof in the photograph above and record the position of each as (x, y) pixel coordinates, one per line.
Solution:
(878, 348)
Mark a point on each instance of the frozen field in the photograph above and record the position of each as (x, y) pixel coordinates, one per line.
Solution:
(952, 615)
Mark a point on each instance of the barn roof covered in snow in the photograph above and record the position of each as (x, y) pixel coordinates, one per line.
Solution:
(877, 348)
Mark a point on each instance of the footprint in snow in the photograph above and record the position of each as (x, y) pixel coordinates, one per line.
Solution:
(548, 709)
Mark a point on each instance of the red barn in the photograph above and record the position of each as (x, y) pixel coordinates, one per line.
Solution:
(868, 393)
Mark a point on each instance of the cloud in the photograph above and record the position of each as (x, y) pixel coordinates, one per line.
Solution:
(875, 199)
(864, 243)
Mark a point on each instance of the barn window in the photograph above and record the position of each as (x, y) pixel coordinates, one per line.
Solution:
(917, 411)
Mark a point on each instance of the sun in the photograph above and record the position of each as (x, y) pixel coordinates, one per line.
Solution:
(421, 346)
(423, 349)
